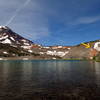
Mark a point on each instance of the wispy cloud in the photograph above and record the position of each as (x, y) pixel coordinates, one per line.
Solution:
(85, 20)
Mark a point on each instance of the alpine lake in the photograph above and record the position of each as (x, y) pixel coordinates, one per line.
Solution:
(49, 80)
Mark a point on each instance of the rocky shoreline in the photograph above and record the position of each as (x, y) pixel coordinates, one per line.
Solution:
(41, 58)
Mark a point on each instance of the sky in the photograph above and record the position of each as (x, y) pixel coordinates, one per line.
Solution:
(53, 22)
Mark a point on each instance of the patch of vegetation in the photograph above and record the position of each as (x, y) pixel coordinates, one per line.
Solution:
(76, 59)
(97, 58)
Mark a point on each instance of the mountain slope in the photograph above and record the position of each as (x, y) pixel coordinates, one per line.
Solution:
(82, 52)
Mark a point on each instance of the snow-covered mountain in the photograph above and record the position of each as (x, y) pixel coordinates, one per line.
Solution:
(12, 44)
(7, 36)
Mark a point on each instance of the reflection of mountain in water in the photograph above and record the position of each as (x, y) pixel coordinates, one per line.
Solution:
(97, 71)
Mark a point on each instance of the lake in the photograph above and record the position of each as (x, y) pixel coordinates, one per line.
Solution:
(49, 80)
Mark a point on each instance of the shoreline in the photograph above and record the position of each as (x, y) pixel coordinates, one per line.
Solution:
(41, 58)
(26, 58)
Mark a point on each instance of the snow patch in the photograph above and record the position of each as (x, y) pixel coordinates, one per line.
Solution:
(41, 53)
(26, 47)
(59, 46)
(30, 51)
(27, 44)
(39, 45)
(1, 58)
(57, 53)
(4, 34)
(3, 37)
(23, 40)
(4, 27)
(46, 47)
(97, 46)
(25, 58)
(12, 38)
(68, 48)
(53, 58)
(5, 52)
(14, 54)
(13, 45)
(6, 41)
(18, 42)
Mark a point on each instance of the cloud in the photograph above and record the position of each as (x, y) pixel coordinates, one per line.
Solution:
(30, 22)
(85, 20)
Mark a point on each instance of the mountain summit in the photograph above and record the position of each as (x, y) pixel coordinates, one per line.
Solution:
(7, 36)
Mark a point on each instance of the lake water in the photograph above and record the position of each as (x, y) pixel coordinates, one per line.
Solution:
(49, 80)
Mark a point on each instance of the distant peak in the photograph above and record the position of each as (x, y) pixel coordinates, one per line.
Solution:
(4, 27)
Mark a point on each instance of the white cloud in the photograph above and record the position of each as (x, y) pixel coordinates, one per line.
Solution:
(86, 20)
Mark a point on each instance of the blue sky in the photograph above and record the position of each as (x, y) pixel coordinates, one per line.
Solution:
(53, 22)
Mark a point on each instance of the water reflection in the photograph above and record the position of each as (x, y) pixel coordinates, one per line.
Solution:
(97, 71)
(27, 79)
